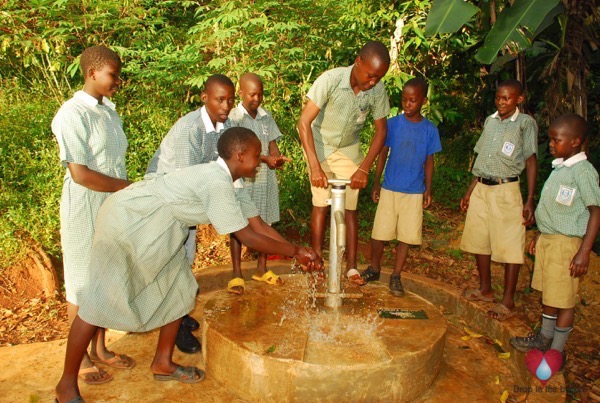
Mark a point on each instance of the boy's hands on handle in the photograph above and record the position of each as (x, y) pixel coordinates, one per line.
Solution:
(318, 177)
(309, 259)
(359, 179)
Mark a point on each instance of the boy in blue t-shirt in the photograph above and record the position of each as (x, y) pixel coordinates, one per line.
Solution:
(406, 185)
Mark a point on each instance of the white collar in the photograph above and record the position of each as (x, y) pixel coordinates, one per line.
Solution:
(91, 101)
(260, 111)
(208, 125)
(569, 162)
(238, 182)
(512, 118)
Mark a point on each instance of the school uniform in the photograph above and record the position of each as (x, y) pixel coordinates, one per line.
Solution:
(494, 223)
(139, 277)
(337, 127)
(263, 188)
(562, 217)
(192, 140)
(90, 134)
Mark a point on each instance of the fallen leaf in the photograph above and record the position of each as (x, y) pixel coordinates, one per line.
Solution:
(504, 356)
(504, 396)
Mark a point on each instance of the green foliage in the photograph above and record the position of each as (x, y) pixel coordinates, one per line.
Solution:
(170, 47)
(30, 176)
(515, 28)
(447, 16)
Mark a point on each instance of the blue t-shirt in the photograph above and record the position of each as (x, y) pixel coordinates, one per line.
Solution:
(410, 144)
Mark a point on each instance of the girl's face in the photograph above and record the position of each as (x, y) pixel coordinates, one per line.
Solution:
(251, 93)
(105, 81)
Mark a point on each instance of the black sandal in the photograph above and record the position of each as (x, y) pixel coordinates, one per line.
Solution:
(370, 275)
(396, 286)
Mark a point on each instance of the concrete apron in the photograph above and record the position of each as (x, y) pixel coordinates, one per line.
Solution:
(274, 344)
(470, 371)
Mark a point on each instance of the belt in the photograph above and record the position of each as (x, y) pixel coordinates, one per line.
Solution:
(497, 181)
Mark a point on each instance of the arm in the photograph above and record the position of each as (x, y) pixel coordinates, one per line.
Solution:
(464, 202)
(266, 244)
(258, 225)
(309, 114)
(381, 161)
(94, 180)
(579, 264)
(360, 178)
(528, 207)
(428, 178)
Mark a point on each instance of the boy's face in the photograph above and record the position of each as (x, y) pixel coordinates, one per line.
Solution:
(250, 159)
(219, 100)
(507, 99)
(563, 143)
(251, 92)
(105, 81)
(412, 101)
(368, 73)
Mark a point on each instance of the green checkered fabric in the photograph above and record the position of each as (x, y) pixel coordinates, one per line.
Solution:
(343, 113)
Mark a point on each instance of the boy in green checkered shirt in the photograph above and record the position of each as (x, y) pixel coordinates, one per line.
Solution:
(568, 217)
(496, 214)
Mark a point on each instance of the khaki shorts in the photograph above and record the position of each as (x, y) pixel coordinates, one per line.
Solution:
(494, 224)
(551, 275)
(399, 216)
(336, 166)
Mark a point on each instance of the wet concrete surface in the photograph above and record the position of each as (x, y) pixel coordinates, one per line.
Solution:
(471, 370)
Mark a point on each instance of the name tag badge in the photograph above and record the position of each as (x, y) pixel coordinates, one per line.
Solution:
(508, 148)
(565, 195)
(363, 116)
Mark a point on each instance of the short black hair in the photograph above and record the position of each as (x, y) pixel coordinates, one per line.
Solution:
(419, 83)
(375, 50)
(512, 83)
(221, 79)
(576, 124)
(235, 139)
(250, 77)
(96, 57)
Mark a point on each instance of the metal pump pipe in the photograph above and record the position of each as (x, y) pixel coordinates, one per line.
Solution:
(337, 241)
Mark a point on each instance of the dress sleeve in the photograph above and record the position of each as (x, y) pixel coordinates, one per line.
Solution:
(72, 132)
(224, 209)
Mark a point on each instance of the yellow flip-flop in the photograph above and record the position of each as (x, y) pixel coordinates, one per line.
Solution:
(269, 278)
(236, 282)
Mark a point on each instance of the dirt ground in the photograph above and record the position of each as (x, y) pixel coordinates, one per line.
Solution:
(28, 316)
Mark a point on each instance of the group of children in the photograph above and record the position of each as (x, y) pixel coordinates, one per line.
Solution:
(127, 254)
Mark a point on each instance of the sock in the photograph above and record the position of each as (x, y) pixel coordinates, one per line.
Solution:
(548, 324)
(561, 334)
